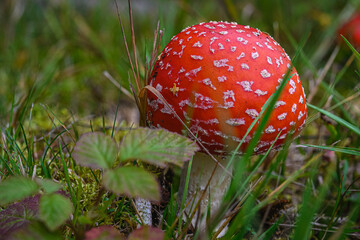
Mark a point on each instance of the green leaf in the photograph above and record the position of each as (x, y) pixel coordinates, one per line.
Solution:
(337, 119)
(133, 182)
(48, 185)
(55, 209)
(16, 188)
(157, 146)
(95, 150)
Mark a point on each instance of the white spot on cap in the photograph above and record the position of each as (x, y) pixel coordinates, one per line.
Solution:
(292, 123)
(268, 46)
(221, 134)
(193, 72)
(242, 40)
(259, 44)
(208, 82)
(197, 44)
(282, 116)
(293, 108)
(181, 52)
(182, 70)
(260, 92)
(245, 66)
(166, 110)
(202, 33)
(240, 31)
(235, 121)
(270, 129)
(182, 103)
(265, 74)
(246, 85)
(278, 61)
(223, 32)
(221, 46)
(300, 115)
(233, 48)
(269, 60)
(279, 103)
(229, 94)
(236, 139)
(154, 104)
(196, 57)
(209, 27)
(198, 129)
(283, 136)
(212, 121)
(301, 100)
(241, 56)
(221, 78)
(223, 63)
(252, 113)
(293, 86)
(254, 55)
(158, 87)
(229, 98)
(202, 102)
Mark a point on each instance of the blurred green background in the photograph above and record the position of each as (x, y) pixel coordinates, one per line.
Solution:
(54, 52)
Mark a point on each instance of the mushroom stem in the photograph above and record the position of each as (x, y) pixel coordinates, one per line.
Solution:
(202, 168)
(143, 207)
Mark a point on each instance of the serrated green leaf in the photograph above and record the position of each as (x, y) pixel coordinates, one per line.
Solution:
(157, 146)
(95, 150)
(133, 182)
(55, 209)
(48, 185)
(16, 188)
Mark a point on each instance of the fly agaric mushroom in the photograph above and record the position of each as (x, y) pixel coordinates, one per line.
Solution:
(351, 30)
(217, 76)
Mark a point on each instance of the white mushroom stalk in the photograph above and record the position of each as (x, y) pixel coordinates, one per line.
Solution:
(143, 207)
(199, 188)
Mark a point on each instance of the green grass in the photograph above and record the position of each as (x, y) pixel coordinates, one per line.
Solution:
(53, 90)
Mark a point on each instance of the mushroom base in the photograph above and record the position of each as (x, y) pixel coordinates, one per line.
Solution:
(200, 173)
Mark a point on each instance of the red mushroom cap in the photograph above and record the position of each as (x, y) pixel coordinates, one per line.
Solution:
(217, 76)
(351, 30)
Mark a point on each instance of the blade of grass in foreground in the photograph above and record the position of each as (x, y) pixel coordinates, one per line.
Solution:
(312, 202)
(356, 53)
(337, 119)
(351, 151)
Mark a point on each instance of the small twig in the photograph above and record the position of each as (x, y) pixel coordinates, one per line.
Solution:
(133, 43)
(322, 74)
(113, 81)
(127, 48)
